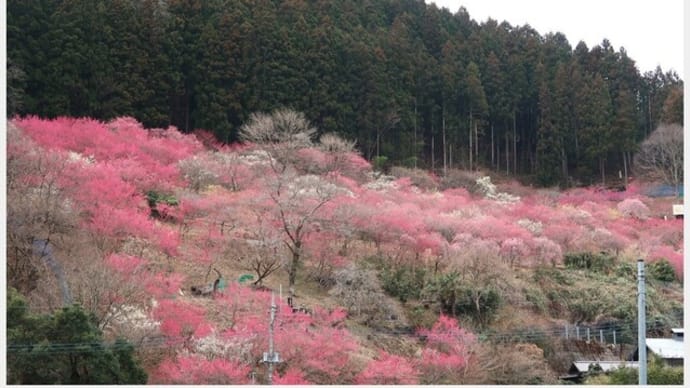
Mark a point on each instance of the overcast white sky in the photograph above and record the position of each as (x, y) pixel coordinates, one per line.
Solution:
(650, 31)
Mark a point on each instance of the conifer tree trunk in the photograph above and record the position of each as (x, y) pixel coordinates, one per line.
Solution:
(515, 169)
(443, 140)
(625, 170)
(492, 145)
(470, 140)
(507, 155)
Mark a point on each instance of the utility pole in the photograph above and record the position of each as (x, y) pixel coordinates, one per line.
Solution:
(641, 324)
(271, 357)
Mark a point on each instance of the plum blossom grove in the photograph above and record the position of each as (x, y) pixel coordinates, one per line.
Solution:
(92, 186)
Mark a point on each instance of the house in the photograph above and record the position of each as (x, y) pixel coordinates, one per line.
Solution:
(677, 333)
(678, 210)
(670, 350)
(581, 369)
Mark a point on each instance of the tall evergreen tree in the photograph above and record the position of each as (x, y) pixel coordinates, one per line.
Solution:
(64, 348)
(477, 108)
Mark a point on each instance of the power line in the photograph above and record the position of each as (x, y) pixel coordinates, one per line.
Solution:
(166, 341)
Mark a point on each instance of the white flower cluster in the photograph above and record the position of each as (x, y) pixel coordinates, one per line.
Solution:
(380, 182)
(77, 157)
(489, 190)
(314, 186)
(233, 348)
(535, 227)
(256, 157)
(132, 317)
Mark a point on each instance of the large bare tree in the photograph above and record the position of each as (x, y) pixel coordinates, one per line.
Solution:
(661, 155)
(295, 199)
(280, 133)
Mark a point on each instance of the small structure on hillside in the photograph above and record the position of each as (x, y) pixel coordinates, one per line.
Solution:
(678, 210)
(677, 334)
(670, 350)
(581, 369)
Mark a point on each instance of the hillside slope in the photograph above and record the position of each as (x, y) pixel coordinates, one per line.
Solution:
(395, 280)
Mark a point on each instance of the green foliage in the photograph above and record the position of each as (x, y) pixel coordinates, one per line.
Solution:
(588, 296)
(64, 348)
(657, 374)
(154, 198)
(404, 282)
(596, 262)
(661, 270)
(537, 298)
(480, 304)
(457, 299)
(625, 271)
(380, 163)
(392, 75)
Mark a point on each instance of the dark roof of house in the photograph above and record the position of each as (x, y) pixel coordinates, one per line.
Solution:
(606, 366)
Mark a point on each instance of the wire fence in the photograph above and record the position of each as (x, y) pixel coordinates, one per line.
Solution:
(614, 333)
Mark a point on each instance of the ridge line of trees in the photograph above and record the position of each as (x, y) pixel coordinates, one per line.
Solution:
(417, 84)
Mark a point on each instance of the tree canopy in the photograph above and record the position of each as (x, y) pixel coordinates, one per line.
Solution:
(405, 79)
(64, 348)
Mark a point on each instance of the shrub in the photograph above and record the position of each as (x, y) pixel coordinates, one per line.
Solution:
(632, 207)
(661, 270)
(419, 177)
(154, 198)
(596, 262)
(404, 282)
(380, 163)
(480, 304)
(657, 374)
(360, 292)
(460, 179)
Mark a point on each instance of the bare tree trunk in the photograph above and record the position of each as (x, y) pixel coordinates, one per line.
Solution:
(450, 156)
(507, 155)
(433, 159)
(625, 170)
(564, 165)
(414, 146)
(492, 146)
(443, 134)
(470, 141)
(515, 165)
(603, 171)
(476, 145)
(294, 264)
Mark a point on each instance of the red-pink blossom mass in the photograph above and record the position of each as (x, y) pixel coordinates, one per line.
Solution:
(165, 209)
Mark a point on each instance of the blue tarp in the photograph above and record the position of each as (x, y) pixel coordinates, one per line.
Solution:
(664, 191)
(44, 250)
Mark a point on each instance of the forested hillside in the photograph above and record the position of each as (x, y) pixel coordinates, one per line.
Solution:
(411, 83)
(175, 247)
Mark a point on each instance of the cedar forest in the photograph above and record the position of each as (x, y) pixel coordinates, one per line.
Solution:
(425, 199)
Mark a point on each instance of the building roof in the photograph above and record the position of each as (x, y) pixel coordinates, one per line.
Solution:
(678, 331)
(666, 347)
(678, 210)
(606, 366)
